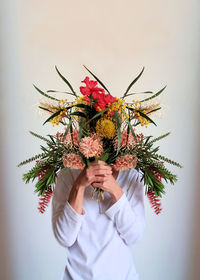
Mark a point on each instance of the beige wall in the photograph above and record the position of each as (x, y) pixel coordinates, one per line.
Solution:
(115, 39)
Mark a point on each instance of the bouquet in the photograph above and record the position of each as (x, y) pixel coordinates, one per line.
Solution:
(99, 126)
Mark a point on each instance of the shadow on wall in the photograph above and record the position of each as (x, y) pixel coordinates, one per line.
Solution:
(5, 247)
(194, 257)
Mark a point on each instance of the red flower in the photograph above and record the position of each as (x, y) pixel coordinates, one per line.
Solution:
(109, 99)
(44, 200)
(91, 86)
(154, 200)
(103, 100)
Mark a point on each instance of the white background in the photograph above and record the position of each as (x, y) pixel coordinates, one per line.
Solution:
(115, 39)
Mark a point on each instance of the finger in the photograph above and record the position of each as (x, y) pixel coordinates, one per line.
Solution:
(102, 167)
(100, 178)
(102, 172)
(97, 185)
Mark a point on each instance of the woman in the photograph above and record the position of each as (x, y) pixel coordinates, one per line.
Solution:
(98, 243)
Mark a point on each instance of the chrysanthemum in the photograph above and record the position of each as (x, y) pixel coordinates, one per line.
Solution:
(131, 140)
(68, 139)
(91, 146)
(125, 162)
(72, 161)
(105, 128)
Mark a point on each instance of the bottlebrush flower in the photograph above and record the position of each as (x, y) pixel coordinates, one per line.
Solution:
(154, 200)
(91, 146)
(73, 161)
(44, 200)
(105, 128)
(125, 162)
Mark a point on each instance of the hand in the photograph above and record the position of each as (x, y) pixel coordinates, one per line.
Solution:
(108, 183)
(88, 175)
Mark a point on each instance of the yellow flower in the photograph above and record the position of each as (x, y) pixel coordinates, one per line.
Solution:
(105, 128)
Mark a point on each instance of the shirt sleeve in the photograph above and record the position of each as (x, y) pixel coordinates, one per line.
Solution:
(66, 222)
(128, 212)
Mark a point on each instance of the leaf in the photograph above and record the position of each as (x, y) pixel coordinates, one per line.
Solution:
(154, 110)
(100, 82)
(155, 95)
(71, 132)
(145, 92)
(80, 130)
(128, 130)
(133, 82)
(66, 81)
(147, 139)
(118, 132)
(87, 107)
(46, 95)
(68, 127)
(88, 163)
(80, 114)
(98, 114)
(45, 109)
(53, 116)
(131, 129)
(146, 117)
(51, 90)
(104, 157)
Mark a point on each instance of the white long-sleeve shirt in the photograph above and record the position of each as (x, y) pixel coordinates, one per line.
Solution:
(98, 245)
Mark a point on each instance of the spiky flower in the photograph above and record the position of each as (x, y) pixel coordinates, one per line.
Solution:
(91, 146)
(105, 128)
(125, 162)
(72, 161)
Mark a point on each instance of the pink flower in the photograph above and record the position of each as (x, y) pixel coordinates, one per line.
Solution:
(131, 140)
(72, 161)
(68, 139)
(125, 162)
(91, 146)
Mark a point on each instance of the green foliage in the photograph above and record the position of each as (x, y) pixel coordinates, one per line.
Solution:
(155, 95)
(160, 137)
(100, 82)
(118, 131)
(44, 94)
(66, 81)
(132, 83)
(50, 162)
(31, 159)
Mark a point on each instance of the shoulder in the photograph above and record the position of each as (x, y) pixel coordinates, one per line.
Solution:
(68, 175)
(131, 176)
(134, 182)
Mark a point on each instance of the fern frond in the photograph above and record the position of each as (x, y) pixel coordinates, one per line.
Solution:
(30, 159)
(159, 138)
(169, 160)
(39, 136)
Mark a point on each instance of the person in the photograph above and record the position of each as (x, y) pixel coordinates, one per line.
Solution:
(98, 244)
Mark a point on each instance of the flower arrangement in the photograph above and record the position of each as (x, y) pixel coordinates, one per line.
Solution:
(99, 126)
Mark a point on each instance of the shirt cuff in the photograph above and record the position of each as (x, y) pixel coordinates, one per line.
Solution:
(111, 211)
(75, 216)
